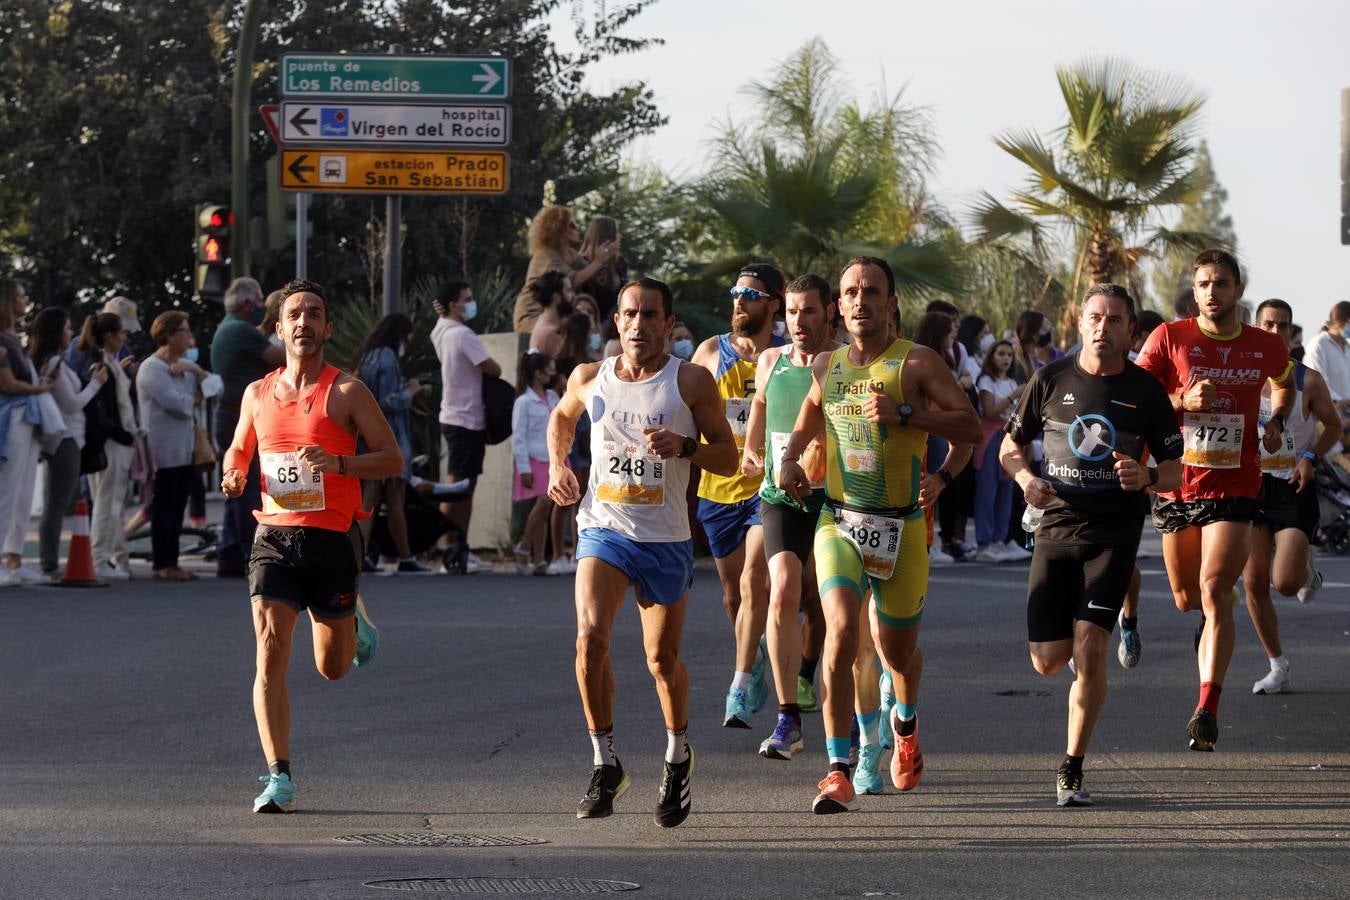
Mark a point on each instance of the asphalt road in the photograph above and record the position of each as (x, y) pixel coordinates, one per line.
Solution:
(129, 758)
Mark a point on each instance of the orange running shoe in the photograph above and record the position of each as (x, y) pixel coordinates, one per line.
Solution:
(836, 795)
(906, 762)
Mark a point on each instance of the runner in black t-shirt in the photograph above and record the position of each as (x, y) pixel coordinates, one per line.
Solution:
(1097, 413)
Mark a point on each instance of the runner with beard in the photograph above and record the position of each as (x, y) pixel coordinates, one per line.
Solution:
(1214, 368)
(728, 506)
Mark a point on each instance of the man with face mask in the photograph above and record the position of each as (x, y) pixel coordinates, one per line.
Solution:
(240, 355)
(728, 506)
(1097, 414)
(464, 361)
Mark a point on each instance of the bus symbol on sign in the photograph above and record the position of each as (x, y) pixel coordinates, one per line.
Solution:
(333, 122)
(333, 169)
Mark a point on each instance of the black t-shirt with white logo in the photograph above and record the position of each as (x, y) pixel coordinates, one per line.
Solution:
(1081, 420)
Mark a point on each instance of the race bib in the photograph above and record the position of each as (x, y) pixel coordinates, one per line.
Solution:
(858, 459)
(1213, 440)
(630, 475)
(738, 415)
(290, 485)
(779, 442)
(1282, 459)
(876, 537)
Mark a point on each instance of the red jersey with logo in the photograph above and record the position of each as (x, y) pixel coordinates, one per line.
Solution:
(1221, 456)
(291, 493)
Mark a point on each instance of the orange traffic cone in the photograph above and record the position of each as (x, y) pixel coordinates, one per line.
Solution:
(80, 559)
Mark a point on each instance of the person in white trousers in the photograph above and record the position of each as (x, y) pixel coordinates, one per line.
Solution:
(102, 338)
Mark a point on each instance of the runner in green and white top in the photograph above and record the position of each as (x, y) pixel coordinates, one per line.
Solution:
(785, 375)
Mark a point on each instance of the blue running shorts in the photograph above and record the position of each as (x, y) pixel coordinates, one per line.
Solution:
(662, 570)
(725, 524)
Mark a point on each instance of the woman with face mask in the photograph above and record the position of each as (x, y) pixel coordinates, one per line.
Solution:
(1035, 345)
(681, 341)
(376, 362)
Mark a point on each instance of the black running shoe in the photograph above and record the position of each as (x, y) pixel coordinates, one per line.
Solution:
(673, 797)
(1069, 789)
(1203, 730)
(607, 785)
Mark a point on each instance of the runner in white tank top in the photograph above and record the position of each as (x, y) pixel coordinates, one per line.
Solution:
(1288, 511)
(647, 411)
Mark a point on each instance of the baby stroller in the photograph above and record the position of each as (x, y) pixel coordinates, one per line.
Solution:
(1333, 500)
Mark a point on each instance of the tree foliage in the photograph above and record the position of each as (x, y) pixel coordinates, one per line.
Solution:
(117, 116)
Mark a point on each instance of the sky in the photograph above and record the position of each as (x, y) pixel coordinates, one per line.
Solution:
(1272, 71)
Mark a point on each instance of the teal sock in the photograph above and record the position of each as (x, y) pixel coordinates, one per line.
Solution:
(836, 748)
(870, 726)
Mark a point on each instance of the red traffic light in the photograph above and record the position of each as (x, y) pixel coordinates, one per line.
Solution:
(214, 219)
(211, 251)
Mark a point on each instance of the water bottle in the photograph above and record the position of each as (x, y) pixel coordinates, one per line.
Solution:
(1031, 518)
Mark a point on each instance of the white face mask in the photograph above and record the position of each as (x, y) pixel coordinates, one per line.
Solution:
(470, 310)
(593, 342)
(402, 349)
(986, 342)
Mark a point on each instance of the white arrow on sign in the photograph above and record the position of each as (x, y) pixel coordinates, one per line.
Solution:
(489, 78)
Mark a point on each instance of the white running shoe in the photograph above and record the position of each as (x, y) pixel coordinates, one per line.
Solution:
(474, 564)
(990, 553)
(938, 557)
(28, 575)
(559, 567)
(1015, 552)
(109, 571)
(8, 578)
(1308, 593)
(1275, 682)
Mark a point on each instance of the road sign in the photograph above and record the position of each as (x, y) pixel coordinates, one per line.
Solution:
(271, 113)
(345, 171)
(395, 124)
(380, 75)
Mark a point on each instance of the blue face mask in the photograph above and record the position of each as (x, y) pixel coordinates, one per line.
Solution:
(470, 310)
(684, 348)
(593, 342)
(191, 354)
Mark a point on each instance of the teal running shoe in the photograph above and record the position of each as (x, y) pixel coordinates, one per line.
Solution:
(786, 740)
(759, 679)
(367, 635)
(854, 740)
(737, 711)
(867, 777)
(887, 704)
(806, 695)
(277, 797)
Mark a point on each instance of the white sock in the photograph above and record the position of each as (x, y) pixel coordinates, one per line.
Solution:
(603, 744)
(677, 745)
(741, 681)
(1279, 663)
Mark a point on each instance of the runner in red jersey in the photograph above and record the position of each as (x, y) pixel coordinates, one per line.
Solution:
(303, 421)
(1214, 368)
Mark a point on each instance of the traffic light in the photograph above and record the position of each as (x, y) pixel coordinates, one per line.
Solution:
(213, 249)
(1345, 166)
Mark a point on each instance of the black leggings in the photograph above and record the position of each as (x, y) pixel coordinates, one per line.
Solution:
(172, 486)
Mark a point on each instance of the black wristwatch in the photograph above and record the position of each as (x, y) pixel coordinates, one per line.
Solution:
(1278, 419)
(688, 448)
(1152, 477)
(944, 475)
(905, 412)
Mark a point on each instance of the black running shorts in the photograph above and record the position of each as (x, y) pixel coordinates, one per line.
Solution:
(1281, 506)
(306, 568)
(1170, 516)
(787, 528)
(464, 450)
(1068, 582)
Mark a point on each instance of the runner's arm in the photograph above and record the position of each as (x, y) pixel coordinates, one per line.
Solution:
(933, 483)
(752, 461)
(1014, 459)
(383, 459)
(954, 418)
(717, 452)
(239, 455)
(1318, 398)
(809, 426)
(562, 429)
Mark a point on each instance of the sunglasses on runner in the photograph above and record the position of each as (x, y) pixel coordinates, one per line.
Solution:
(748, 294)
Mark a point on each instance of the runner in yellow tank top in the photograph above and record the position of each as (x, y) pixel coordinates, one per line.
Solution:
(876, 400)
(728, 506)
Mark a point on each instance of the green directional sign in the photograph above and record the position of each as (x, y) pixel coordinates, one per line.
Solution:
(379, 75)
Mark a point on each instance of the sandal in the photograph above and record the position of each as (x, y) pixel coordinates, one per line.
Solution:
(174, 574)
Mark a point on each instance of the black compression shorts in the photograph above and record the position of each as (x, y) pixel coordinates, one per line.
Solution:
(1068, 582)
(306, 568)
(787, 528)
(1281, 506)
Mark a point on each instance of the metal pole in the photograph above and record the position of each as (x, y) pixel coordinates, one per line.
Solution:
(393, 216)
(301, 235)
(239, 108)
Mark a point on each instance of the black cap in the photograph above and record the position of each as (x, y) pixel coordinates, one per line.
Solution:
(770, 277)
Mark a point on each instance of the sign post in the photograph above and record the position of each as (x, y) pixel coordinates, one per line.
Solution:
(391, 124)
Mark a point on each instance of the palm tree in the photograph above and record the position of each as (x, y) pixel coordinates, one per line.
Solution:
(1107, 177)
(818, 178)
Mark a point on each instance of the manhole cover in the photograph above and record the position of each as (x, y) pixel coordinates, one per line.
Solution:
(1021, 693)
(493, 885)
(431, 839)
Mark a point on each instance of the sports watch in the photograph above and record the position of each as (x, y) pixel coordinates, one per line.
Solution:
(688, 448)
(905, 412)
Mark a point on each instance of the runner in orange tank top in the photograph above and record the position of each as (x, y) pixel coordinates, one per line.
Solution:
(303, 421)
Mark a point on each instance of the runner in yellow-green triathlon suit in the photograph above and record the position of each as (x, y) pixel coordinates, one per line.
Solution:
(876, 400)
